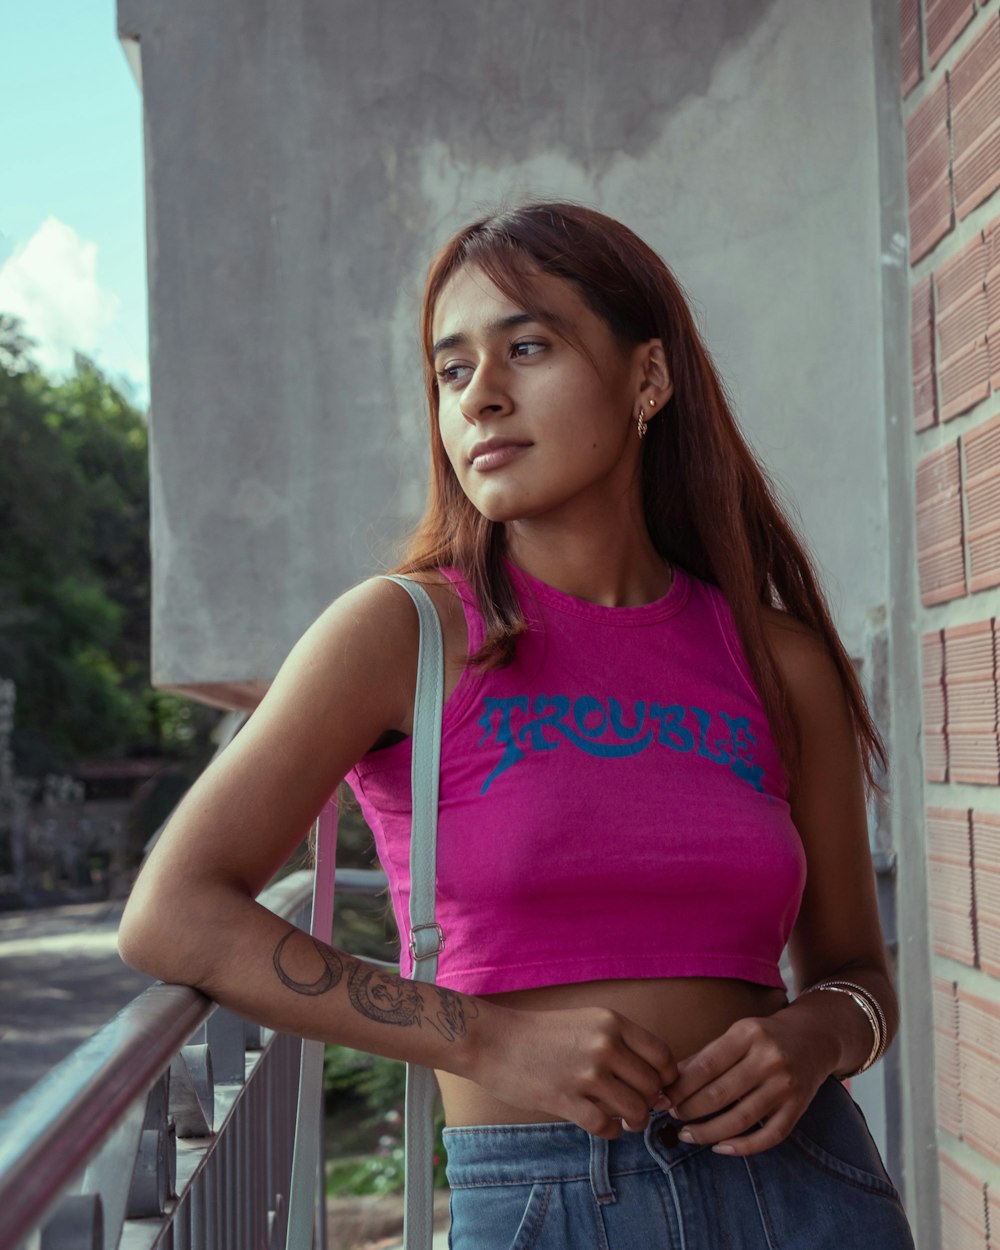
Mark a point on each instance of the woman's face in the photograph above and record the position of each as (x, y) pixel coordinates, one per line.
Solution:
(537, 412)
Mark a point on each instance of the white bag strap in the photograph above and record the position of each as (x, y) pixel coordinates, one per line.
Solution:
(307, 1187)
(426, 937)
(426, 942)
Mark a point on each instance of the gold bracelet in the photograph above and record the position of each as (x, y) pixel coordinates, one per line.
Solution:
(869, 1015)
(876, 1007)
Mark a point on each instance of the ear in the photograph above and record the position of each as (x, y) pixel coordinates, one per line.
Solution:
(655, 384)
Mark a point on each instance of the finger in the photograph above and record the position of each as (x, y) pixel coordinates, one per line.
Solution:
(593, 1118)
(637, 1075)
(774, 1130)
(740, 1117)
(653, 1050)
(717, 1095)
(708, 1064)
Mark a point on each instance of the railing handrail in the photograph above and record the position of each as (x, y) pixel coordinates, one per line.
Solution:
(51, 1131)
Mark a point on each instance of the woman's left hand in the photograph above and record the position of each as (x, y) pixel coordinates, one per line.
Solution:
(762, 1068)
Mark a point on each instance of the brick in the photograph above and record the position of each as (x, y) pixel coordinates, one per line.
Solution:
(983, 502)
(979, 59)
(977, 173)
(930, 116)
(993, 1216)
(940, 553)
(963, 1194)
(991, 237)
(947, 1103)
(970, 688)
(984, 560)
(961, 275)
(981, 1126)
(953, 934)
(909, 43)
(944, 998)
(935, 756)
(950, 886)
(932, 656)
(929, 172)
(942, 575)
(964, 324)
(974, 756)
(939, 520)
(987, 927)
(980, 1077)
(925, 401)
(964, 379)
(978, 1022)
(972, 705)
(946, 19)
(957, 1234)
(969, 650)
(982, 448)
(939, 471)
(988, 893)
(922, 353)
(949, 834)
(986, 839)
(947, 1065)
(982, 457)
(934, 706)
(975, 119)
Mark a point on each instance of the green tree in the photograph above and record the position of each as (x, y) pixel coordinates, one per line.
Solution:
(74, 567)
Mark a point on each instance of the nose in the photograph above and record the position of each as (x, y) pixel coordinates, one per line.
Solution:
(485, 394)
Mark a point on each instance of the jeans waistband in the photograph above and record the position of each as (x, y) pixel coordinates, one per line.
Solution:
(524, 1154)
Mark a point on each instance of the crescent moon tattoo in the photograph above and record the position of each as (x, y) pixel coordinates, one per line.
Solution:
(333, 968)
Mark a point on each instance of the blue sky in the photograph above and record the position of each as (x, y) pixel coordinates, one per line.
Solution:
(72, 216)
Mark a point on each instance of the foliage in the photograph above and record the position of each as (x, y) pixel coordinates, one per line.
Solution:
(74, 568)
(379, 1085)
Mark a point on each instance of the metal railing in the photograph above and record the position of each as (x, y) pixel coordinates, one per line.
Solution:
(172, 1127)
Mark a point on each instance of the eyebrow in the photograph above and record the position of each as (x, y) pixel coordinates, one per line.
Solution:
(542, 317)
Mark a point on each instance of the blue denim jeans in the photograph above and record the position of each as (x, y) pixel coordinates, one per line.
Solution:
(555, 1187)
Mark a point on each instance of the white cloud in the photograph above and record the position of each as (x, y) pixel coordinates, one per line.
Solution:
(51, 283)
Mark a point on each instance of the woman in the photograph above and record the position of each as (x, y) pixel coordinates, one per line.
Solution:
(654, 765)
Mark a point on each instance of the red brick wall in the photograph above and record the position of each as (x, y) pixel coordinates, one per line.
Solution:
(950, 52)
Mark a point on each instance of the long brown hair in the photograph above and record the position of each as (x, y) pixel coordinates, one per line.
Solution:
(708, 503)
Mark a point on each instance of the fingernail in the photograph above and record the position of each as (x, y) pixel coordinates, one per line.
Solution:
(722, 1150)
(686, 1135)
(662, 1103)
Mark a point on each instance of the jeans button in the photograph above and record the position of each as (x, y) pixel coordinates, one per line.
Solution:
(666, 1134)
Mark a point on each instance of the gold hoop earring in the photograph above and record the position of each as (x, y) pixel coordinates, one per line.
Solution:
(643, 424)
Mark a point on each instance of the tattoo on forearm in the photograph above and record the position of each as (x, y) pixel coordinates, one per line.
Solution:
(383, 996)
(379, 995)
(453, 1014)
(333, 966)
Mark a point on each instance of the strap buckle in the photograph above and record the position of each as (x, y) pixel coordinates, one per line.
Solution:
(426, 954)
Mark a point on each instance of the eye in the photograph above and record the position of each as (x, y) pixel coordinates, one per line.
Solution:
(447, 375)
(527, 347)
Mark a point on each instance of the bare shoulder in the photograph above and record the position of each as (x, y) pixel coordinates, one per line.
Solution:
(804, 660)
(370, 636)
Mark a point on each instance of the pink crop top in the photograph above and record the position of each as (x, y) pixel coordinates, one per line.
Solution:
(612, 804)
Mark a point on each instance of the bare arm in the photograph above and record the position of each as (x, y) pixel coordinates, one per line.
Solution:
(192, 917)
(772, 1066)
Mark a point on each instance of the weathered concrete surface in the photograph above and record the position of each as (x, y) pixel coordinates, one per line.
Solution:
(304, 160)
(60, 980)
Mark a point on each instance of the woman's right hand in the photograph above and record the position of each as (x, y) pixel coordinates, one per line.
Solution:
(588, 1065)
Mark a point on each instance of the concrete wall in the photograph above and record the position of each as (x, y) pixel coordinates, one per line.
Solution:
(303, 162)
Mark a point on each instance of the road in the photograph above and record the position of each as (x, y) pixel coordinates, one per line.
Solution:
(60, 980)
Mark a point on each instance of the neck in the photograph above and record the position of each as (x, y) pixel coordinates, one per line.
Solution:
(614, 569)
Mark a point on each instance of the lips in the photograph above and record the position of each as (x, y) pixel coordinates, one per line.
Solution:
(493, 452)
